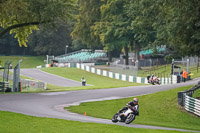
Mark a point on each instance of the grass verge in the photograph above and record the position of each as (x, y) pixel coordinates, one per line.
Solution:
(27, 61)
(196, 94)
(96, 81)
(19, 123)
(158, 109)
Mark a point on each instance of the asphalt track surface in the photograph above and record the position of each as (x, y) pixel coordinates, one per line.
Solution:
(49, 78)
(52, 104)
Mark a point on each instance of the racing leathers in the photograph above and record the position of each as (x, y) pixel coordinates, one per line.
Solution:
(134, 107)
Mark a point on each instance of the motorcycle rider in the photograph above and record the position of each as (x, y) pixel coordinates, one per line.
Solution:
(148, 77)
(152, 76)
(133, 105)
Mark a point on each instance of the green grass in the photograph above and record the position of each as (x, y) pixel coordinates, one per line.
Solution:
(28, 62)
(196, 94)
(95, 80)
(158, 109)
(19, 123)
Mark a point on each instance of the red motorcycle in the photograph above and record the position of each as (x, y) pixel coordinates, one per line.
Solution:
(153, 80)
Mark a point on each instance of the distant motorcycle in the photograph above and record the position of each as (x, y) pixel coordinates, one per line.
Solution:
(126, 116)
(154, 80)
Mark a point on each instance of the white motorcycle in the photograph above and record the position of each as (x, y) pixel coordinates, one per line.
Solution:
(126, 116)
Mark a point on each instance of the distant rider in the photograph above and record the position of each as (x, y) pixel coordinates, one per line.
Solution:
(152, 76)
(83, 81)
(133, 105)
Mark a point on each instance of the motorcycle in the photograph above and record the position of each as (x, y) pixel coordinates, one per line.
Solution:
(154, 80)
(126, 116)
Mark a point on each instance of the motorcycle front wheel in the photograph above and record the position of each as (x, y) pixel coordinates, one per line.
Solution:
(130, 118)
(114, 119)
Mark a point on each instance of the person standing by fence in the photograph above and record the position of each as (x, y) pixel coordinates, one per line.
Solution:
(184, 75)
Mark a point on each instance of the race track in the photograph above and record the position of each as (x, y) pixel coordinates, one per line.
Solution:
(52, 104)
(49, 78)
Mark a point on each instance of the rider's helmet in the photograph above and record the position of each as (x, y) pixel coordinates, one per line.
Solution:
(135, 101)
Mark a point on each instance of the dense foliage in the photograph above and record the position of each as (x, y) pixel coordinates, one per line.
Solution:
(109, 24)
(140, 23)
(21, 17)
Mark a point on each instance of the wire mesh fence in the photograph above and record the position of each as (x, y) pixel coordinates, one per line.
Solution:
(27, 85)
(31, 85)
(123, 69)
(193, 61)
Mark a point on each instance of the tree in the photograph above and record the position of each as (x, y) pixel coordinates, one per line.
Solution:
(77, 45)
(178, 26)
(112, 27)
(124, 24)
(142, 15)
(21, 17)
(89, 13)
(51, 41)
(139, 23)
(6, 44)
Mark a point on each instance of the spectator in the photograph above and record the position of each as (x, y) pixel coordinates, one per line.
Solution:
(184, 75)
(10, 67)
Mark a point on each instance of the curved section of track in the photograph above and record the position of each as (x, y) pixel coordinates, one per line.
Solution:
(49, 78)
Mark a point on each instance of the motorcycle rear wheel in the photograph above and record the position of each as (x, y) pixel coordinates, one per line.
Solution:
(130, 118)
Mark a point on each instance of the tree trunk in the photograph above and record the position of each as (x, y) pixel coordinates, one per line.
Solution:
(137, 50)
(126, 54)
(7, 48)
(109, 57)
(137, 56)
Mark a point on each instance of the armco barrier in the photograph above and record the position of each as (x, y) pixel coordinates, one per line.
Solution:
(190, 104)
(120, 76)
(172, 80)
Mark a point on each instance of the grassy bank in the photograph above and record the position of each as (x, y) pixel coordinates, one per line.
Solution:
(159, 109)
(96, 81)
(19, 123)
(28, 61)
(197, 94)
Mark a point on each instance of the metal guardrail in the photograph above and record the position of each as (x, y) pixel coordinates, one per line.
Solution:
(190, 104)
(4, 86)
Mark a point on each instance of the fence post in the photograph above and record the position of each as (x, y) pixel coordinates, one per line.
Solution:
(180, 98)
(16, 77)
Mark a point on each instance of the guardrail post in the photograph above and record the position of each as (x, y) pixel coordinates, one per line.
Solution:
(180, 98)
(4, 86)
